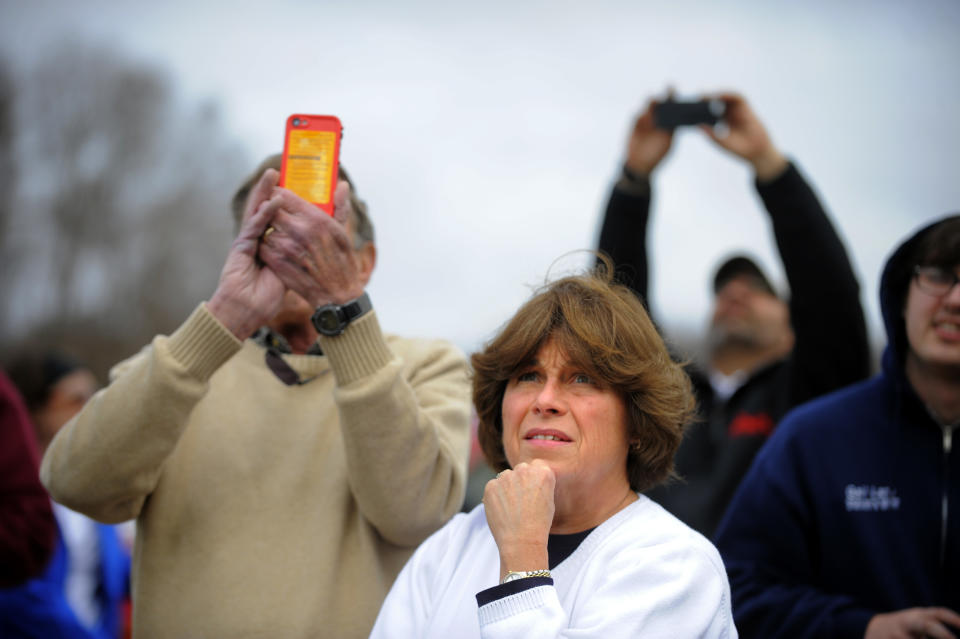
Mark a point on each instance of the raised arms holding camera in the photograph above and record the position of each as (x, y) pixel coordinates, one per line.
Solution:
(744, 136)
(764, 352)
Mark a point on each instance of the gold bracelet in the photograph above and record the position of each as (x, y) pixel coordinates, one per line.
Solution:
(523, 574)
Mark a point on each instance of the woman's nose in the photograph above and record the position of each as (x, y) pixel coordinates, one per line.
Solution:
(549, 400)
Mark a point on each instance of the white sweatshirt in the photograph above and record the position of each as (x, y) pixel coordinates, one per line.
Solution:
(641, 573)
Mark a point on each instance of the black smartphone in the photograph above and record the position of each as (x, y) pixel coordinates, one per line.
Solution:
(671, 114)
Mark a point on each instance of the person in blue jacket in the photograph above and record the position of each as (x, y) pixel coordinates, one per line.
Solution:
(82, 592)
(40, 609)
(848, 522)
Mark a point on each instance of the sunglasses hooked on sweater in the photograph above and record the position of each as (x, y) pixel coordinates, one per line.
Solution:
(279, 367)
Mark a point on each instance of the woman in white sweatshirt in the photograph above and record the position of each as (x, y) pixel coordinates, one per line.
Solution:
(581, 408)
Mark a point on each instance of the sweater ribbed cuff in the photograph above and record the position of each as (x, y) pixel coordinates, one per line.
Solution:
(514, 587)
(202, 344)
(359, 351)
(501, 609)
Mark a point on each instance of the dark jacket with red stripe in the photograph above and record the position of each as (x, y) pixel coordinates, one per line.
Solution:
(831, 347)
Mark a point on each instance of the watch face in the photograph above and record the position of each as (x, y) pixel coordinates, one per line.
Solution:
(331, 319)
(328, 321)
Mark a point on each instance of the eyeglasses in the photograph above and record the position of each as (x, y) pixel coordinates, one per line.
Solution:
(283, 371)
(935, 280)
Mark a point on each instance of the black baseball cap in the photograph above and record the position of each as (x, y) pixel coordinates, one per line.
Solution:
(741, 265)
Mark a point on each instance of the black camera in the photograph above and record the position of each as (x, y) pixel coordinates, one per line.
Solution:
(671, 114)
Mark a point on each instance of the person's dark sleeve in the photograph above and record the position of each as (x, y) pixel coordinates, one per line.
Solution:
(767, 541)
(27, 526)
(831, 349)
(623, 235)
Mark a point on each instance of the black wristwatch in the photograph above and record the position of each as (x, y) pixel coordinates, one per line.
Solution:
(333, 319)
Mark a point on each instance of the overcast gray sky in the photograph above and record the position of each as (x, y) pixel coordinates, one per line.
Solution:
(485, 136)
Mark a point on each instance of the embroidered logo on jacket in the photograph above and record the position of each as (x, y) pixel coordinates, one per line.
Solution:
(872, 498)
(746, 424)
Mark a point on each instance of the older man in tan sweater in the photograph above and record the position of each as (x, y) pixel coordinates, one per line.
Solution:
(279, 482)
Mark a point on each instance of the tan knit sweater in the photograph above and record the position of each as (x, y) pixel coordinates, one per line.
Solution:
(266, 510)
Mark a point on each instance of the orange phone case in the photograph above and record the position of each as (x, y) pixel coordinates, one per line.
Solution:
(311, 156)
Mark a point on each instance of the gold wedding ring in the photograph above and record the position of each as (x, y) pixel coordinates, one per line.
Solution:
(267, 233)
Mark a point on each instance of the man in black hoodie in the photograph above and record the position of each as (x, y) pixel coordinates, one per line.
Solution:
(848, 523)
(765, 354)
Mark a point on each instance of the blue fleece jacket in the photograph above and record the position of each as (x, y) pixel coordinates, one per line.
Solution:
(853, 506)
(39, 609)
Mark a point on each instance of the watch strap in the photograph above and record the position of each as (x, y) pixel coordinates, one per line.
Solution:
(355, 308)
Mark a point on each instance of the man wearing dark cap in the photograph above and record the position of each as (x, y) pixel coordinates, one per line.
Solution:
(763, 354)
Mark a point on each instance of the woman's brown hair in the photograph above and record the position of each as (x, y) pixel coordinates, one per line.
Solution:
(603, 329)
